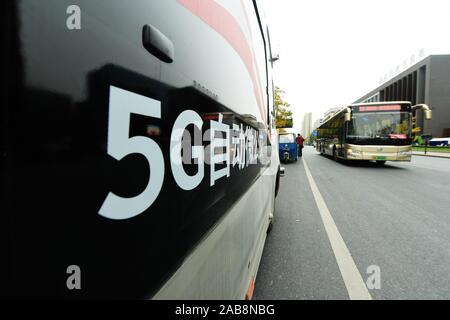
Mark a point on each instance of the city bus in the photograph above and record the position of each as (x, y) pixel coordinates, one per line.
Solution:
(378, 132)
(139, 148)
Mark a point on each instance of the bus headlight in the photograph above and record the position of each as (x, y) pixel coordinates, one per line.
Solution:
(405, 153)
(353, 151)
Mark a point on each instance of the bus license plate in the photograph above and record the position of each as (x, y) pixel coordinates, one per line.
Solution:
(381, 158)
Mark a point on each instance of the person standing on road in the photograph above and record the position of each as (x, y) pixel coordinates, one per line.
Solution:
(299, 144)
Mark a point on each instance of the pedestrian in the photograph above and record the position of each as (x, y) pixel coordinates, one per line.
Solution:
(299, 140)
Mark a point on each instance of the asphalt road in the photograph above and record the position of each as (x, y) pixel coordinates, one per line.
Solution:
(395, 217)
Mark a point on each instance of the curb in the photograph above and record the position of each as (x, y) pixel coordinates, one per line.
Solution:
(431, 156)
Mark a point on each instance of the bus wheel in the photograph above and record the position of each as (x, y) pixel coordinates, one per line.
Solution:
(334, 154)
(381, 162)
(269, 228)
(277, 182)
(271, 216)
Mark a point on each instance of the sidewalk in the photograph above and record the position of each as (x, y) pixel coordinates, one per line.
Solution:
(432, 154)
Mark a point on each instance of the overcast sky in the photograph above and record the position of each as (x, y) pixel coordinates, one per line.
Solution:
(332, 52)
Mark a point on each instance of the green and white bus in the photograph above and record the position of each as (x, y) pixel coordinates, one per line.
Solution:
(370, 131)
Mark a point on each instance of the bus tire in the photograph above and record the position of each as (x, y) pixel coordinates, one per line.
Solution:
(269, 228)
(335, 158)
(277, 182)
(271, 216)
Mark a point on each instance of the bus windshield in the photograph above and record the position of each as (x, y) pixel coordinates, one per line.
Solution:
(388, 125)
(286, 138)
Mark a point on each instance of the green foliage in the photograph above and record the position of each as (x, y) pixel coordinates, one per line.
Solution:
(283, 115)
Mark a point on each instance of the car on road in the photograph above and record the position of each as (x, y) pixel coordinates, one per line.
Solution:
(439, 142)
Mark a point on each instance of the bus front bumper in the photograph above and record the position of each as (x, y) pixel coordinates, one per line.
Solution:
(378, 153)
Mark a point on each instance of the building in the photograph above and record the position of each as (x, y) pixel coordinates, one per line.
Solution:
(317, 123)
(428, 81)
(330, 112)
(307, 124)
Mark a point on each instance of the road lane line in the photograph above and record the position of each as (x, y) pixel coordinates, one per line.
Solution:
(353, 280)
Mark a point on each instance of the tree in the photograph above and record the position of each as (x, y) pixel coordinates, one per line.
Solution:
(283, 115)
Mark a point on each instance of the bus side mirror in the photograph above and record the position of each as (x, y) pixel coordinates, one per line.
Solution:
(426, 110)
(347, 117)
(274, 57)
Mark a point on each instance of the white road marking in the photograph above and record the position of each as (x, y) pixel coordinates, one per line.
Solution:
(353, 280)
